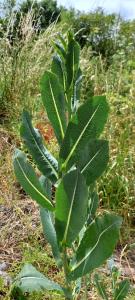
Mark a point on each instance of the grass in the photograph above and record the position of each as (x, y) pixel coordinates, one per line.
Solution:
(116, 187)
(21, 233)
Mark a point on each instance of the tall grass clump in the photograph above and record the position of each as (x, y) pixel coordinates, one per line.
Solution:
(22, 61)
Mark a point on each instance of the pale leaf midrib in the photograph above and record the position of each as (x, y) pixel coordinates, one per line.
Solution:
(38, 192)
(80, 136)
(57, 113)
(26, 278)
(70, 210)
(90, 161)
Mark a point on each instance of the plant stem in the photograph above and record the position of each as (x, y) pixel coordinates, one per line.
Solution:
(69, 295)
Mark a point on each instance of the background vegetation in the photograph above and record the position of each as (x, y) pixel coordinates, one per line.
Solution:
(107, 44)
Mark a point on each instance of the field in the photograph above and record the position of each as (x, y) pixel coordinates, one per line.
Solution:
(22, 239)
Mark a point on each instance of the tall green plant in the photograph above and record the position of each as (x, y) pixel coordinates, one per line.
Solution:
(81, 240)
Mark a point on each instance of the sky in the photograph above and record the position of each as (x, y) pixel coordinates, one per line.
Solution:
(125, 7)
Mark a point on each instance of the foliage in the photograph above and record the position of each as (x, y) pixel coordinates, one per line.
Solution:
(98, 31)
(21, 66)
(78, 247)
(119, 288)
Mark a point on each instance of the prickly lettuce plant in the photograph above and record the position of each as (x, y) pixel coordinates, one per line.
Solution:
(80, 240)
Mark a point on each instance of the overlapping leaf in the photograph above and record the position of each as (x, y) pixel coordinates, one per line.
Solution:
(86, 124)
(97, 245)
(29, 180)
(54, 102)
(93, 159)
(46, 163)
(71, 205)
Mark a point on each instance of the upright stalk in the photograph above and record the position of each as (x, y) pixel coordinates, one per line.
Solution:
(68, 294)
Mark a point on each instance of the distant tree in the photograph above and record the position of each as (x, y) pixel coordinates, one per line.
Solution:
(44, 11)
(97, 30)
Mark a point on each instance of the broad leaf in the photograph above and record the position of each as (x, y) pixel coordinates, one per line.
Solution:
(97, 245)
(71, 205)
(46, 163)
(54, 102)
(122, 290)
(100, 287)
(48, 224)
(86, 124)
(29, 180)
(30, 280)
(92, 160)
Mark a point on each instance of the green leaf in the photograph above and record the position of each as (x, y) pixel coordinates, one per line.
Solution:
(29, 180)
(97, 245)
(62, 41)
(58, 69)
(72, 61)
(46, 163)
(50, 233)
(46, 185)
(60, 49)
(100, 287)
(30, 280)
(71, 204)
(122, 290)
(86, 124)
(92, 160)
(48, 224)
(54, 102)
